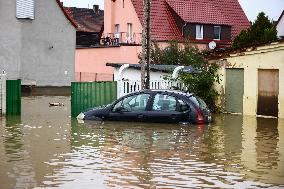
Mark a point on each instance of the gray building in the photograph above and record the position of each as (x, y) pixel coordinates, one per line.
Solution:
(37, 42)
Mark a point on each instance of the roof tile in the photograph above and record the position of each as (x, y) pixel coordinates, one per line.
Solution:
(221, 12)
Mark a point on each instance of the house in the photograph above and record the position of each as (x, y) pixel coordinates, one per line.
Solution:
(252, 80)
(198, 21)
(37, 42)
(280, 26)
(90, 24)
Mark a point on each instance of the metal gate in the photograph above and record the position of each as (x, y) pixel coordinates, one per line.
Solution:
(13, 97)
(268, 91)
(234, 90)
(86, 95)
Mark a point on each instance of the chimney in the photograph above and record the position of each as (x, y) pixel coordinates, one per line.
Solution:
(96, 9)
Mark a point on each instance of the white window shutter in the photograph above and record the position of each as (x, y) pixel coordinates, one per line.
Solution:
(25, 9)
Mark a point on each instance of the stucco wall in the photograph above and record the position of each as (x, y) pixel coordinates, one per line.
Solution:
(93, 60)
(115, 13)
(10, 39)
(41, 51)
(265, 57)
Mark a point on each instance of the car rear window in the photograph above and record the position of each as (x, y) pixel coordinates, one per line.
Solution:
(198, 102)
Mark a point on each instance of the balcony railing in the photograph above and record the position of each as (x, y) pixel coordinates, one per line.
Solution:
(122, 38)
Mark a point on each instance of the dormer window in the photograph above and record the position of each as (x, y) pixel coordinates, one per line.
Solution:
(217, 32)
(199, 31)
(25, 9)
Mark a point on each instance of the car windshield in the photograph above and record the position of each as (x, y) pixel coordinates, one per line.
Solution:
(199, 102)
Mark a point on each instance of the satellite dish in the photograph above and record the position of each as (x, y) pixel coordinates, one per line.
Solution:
(212, 45)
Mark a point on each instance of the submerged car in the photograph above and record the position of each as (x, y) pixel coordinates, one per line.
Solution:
(162, 106)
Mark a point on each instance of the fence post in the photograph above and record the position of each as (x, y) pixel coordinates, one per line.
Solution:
(3, 93)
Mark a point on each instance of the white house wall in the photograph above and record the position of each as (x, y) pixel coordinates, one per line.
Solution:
(280, 27)
(134, 74)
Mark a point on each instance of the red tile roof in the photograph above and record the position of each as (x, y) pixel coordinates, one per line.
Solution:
(86, 19)
(199, 11)
(66, 15)
(221, 12)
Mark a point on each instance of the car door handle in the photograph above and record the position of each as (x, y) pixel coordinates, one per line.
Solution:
(140, 116)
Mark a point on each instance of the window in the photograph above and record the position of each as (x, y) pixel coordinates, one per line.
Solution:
(217, 32)
(25, 9)
(183, 107)
(164, 103)
(116, 31)
(132, 103)
(129, 30)
(199, 31)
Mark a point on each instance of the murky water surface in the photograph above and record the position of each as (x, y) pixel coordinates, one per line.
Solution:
(44, 148)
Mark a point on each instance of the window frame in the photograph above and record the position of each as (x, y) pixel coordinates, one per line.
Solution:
(199, 30)
(219, 32)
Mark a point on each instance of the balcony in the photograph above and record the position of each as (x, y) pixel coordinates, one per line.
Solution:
(122, 38)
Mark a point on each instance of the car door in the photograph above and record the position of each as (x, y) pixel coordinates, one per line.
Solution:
(130, 108)
(167, 108)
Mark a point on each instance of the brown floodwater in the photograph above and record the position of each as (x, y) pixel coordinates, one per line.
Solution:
(45, 148)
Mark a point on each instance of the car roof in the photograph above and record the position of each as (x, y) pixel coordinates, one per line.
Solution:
(163, 90)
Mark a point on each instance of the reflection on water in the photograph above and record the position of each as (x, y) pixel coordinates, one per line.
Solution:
(44, 148)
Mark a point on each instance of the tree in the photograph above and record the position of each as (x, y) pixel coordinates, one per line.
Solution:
(261, 31)
(201, 83)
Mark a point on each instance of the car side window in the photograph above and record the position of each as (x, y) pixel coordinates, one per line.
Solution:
(132, 103)
(183, 107)
(164, 102)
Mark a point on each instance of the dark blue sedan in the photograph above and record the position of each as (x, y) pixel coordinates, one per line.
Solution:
(162, 106)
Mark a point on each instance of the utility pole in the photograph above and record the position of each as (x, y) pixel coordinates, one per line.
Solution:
(146, 41)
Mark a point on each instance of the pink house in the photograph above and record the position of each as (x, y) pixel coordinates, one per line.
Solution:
(200, 21)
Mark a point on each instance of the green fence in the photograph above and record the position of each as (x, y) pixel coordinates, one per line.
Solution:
(13, 97)
(86, 95)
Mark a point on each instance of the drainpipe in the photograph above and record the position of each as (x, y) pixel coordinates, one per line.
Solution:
(120, 87)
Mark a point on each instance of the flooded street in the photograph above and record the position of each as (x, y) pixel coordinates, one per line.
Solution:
(45, 148)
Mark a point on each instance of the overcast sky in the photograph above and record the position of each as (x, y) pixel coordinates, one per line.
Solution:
(273, 8)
